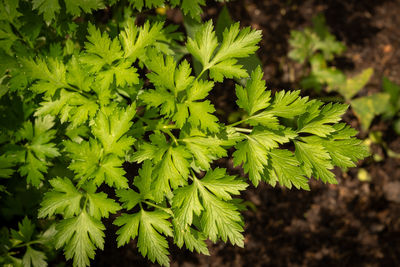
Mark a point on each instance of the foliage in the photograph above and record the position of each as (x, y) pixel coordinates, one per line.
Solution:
(81, 101)
(319, 47)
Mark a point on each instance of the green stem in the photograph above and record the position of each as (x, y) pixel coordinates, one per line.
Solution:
(169, 126)
(76, 90)
(246, 119)
(193, 174)
(167, 131)
(243, 130)
(201, 73)
(84, 204)
(159, 207)
(27, 244)
(238, 122)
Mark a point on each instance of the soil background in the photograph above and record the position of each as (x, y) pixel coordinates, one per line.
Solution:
(353, 223)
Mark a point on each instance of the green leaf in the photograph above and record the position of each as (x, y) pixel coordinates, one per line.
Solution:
(89, 163)
(34, 258)
(172, 171)
(355, 84)
(39, 148)
(321, 74)
(193, 239)
(204, 44)
(8, 10)
(209, 198)
(315, 160)
(227, 69)
(154, 150)
(25, 231)
(111, 126)
(100, 206)
(75, 7)
(135, 39)
(301, 44)
(101, 50)
(70, 106)
(253, 151)
(42, 136)
(222, 185)
(220, 218)
(148, 227)
(48, 8)
(193, 8)
(144, 179)
(160, 97)
(182, 76)
(205, 149)
(163, 70)
(185, 204)
(288, 104)
(236, 43)
(78, 75)
(33, 169)
(285, 169)
(224, 21)
(80, 236)
(327, 43)
(169, 82)
(50, 75)
(254, 97)
(138, 4)
(367, 107)
(171, 164)
(343, 149)
(63, 199)
(318, 120)
(305, 43)
(197, 114)
(200, 116)
(6, 165)
(394, 91)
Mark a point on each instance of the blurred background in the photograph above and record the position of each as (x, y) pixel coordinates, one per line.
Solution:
(344, 51)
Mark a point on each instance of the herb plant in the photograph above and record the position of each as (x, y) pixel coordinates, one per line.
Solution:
(319, 47)
(82, 101)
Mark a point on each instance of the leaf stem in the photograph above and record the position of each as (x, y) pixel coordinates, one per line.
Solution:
(193, 174)
(159, 207)
(238, 122)
(167, 131)
(243, 130)
(27, 244)
(169, 126)
(201, 74)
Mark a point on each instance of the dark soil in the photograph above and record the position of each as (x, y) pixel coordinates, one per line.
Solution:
(353, 223)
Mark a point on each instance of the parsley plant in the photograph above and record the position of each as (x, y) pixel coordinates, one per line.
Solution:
(79, 101)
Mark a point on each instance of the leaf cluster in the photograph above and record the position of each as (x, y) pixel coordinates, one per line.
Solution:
(83, 112)
(319, 47)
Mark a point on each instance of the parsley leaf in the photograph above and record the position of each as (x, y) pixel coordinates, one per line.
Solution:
(90, 163)
(38, 148)
(110, 127)
(209, 198)
(221, 62)
(254, 97)
(148, 227)
(253, 151)
(80, 235)
(315, 160)
(63, 199)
